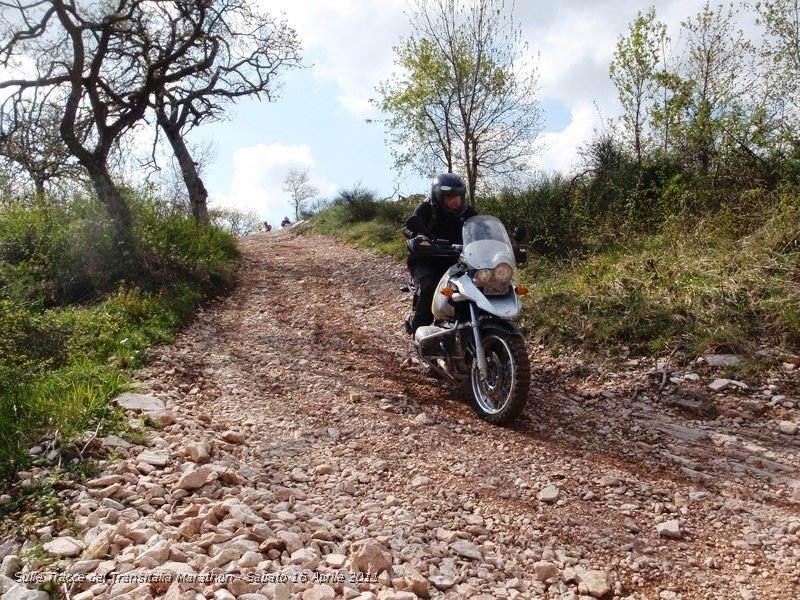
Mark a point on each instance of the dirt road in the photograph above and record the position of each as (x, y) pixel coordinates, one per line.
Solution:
(298, 396)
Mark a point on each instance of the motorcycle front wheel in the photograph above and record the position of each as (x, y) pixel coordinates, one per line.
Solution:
(500, 397)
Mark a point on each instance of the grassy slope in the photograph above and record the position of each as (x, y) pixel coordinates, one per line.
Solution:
(699, 286)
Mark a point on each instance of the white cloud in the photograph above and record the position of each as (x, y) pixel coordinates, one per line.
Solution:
(562, 146)
(258, 178)
(349, 42)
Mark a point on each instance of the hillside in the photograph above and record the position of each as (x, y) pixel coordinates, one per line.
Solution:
(299, 441)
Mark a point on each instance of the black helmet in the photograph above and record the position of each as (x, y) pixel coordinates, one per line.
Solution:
(448, 184)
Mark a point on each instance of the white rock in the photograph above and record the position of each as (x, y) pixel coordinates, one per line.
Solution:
(6, 583)
(156, 458)
(787, 427)
(723, 360)
(320, 592)
(195, 479)
(64, 546)
(10, 566)
(199, 453)
(302, 556)
(20, 592)
(415, 580)
(299, 475)
(549, 494)
(245, 514)
(139, 402)
(596, 583)
(719, 385)
(335, 560)
(545, 570)
(420, 481)
(467, 550)
(670, 529)
(370, 557)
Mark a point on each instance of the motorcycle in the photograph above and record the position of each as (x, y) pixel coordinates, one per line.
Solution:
(472, 341)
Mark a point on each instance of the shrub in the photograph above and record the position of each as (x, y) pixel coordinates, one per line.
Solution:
(52, 254)
(359, 204)
(70, 327)
(543, 209)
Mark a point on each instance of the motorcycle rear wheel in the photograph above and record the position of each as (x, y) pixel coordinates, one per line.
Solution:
(501, 396)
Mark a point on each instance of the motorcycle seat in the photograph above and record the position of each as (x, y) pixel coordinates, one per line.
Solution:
(425, 331)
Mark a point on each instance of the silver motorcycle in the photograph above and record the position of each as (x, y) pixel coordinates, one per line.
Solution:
(472, 340)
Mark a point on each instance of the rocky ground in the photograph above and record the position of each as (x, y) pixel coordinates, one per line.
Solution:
(298, 452)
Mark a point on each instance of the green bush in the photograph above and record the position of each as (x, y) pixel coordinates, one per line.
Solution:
(543, 209)
(359, 204)
(698, 284)
(51, 254)
(71, 327)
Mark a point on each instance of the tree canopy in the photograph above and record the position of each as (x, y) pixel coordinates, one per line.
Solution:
(465, 97)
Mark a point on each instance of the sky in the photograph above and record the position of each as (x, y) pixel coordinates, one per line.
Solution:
(319, 122)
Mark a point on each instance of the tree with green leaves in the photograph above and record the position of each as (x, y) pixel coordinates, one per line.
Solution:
(465, 97)
(780, 50)
(720, 97)
(634, 72)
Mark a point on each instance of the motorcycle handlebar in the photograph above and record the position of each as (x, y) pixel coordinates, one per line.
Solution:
(436, 247)
(443, 248)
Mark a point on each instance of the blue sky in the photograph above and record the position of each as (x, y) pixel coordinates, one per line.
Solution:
(319, 122)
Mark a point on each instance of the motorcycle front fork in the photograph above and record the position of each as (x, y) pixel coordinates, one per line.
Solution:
(480, 355)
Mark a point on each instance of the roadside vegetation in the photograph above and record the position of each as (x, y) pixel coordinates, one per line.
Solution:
(76, 318)
(723, 280)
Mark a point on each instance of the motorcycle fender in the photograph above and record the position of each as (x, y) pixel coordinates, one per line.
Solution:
(507, 306)
(441, 307)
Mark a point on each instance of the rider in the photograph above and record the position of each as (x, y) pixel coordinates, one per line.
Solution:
(442, 214)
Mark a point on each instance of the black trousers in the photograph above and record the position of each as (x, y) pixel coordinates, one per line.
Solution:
(426, 276)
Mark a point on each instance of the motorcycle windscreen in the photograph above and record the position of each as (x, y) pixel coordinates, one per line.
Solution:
(486, 243)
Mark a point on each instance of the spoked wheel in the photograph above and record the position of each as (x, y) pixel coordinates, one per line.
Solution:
(500, 397)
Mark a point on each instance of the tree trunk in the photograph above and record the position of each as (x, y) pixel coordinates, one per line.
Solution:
(198, 195)
(117, 208)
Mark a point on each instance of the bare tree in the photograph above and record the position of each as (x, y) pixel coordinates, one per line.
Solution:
(29, 138)
(253, 48)
(103, 60)
(297, 184)
(238, 223)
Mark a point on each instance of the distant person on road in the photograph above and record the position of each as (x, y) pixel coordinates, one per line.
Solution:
(442, 214)
(265, 227)
(286, 222)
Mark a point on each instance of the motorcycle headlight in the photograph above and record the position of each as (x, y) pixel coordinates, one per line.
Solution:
(481, 277)
(503, 273)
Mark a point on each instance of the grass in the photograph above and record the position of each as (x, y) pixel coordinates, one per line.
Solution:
(718, 283)
(379, 233)
(67, 348)
(701, 289)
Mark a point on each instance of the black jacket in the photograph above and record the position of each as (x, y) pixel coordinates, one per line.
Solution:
(439, 223)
